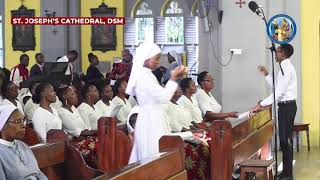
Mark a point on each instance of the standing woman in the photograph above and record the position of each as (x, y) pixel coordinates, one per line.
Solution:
(151, 122)
(45, 117)
(17, 160)
(93, 73)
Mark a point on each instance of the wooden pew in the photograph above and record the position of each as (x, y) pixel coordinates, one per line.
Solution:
(169, 165)
(61, 161)
(231, 144)
(114, 146)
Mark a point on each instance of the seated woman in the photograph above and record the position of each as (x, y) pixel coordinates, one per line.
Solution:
(45, 117)
(71, 119)
(17, 160)
(87, 109)
(30, 106)
(84, 139)
(131, 122)
(210, 108)
(93, 73)
(104, 104)
(119, 89)
(10, 94)
(179, 119)
(188, 101)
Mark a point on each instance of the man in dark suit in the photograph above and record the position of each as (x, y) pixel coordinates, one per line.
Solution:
(37, 69)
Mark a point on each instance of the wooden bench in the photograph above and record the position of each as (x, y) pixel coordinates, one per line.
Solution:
(169, 165)
(232, 144)
(62, 161)
(297, 127)
(114, 146)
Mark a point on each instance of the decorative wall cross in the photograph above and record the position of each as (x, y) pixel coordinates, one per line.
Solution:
(241, 2)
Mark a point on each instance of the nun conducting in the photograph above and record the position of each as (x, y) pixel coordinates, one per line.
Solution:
(151, 122)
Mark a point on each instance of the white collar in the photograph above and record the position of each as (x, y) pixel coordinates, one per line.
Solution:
(6, 143)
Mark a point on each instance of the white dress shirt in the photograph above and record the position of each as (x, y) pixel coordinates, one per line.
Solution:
(103, 108)
(43, 120)
(89, 115)
(125, 109)
(7, 102)
(29, 108)
(69, 70)
(192, 106)
(72, 121)
(207, 102)
(286, 85)
(178, 117)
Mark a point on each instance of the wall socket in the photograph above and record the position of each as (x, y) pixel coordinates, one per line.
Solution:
(236, 51)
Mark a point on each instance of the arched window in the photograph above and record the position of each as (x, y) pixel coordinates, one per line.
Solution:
(174, 25)
(144, 23)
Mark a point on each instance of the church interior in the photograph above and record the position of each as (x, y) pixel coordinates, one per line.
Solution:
(182, 89)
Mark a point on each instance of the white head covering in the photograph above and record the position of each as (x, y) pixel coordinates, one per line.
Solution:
(5, 112)
(134, 110)
(145, 51)
(174, 54)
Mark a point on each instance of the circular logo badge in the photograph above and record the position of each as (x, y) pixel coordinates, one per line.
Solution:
(281, 29)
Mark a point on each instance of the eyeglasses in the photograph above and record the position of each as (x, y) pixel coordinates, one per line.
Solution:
(23, 122)
(209, 80)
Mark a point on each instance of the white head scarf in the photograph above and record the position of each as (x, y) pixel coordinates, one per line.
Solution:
(134, 110)
(5, 112)
(174, 54)
(144, 52)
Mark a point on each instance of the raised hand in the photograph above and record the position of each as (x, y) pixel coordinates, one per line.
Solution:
(263, 70)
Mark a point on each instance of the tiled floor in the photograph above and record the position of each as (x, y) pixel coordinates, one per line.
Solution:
(307, 164)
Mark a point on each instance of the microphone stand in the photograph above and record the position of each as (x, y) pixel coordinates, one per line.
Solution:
(273, 50)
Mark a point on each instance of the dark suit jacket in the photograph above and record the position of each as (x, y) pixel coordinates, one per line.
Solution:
(36, 71)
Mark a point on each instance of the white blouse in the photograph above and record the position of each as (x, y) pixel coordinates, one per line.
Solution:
(89, 115)
(192, 107)
(29, 108)
(103, 108)
(125, 109)
(43, 120)
(178, 117)
(7, 102)
(72, 121)
(207, 102)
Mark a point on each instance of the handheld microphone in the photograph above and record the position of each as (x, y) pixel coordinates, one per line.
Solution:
(255, 8)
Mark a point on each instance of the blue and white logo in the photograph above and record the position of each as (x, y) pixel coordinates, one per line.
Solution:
(281, 29)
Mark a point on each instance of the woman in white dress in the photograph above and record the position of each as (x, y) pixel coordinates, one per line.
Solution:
(10, 94)
(71, 119)
(84, 139)
(45, 117)
(88, 111)
(119, 89)
(188, 101)
(150, 125)
(104, 104)
(180, 120)
(209, 107)
(30, 106)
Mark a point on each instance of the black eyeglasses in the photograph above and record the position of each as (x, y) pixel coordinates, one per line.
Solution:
(22, 122)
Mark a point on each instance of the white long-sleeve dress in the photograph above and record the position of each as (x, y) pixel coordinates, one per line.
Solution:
(151, 122)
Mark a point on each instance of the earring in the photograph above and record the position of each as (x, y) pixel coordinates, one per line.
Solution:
(66, 102)
(89, 97)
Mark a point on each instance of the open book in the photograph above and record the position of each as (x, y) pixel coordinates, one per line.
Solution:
(184, 135)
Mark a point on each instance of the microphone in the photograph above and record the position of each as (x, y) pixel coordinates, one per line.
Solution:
(255, 8)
